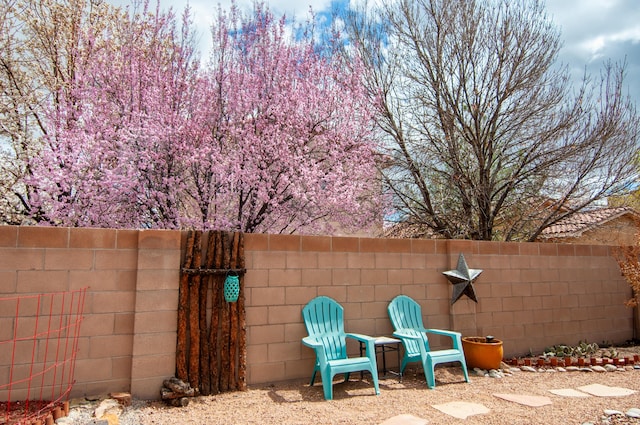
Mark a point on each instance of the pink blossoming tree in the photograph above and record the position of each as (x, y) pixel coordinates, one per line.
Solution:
(273, 135)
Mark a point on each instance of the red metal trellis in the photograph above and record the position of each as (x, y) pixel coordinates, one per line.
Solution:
(38, 346)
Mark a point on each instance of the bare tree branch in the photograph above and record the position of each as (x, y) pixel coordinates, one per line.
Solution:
(485, 136)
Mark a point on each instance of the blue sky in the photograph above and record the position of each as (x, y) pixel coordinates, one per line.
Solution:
(592, 30)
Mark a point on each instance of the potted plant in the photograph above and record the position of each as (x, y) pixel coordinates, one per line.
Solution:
(484, 352)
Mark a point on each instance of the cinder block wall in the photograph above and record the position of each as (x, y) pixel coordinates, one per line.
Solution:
(127, 340)
(530, 295)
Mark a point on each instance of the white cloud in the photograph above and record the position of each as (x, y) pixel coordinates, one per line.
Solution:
(597, 46)
(592, 30)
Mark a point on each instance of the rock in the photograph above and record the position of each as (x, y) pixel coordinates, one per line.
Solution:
(167, 394)
(179, 402)
(599, 368)
(586, 369)
(633, 413)
(75, 402)
(611, 412)
(178, 386)
(65, 420)
(495, 374)
(123, 398)
(479, 372)
(175, 391)
(111, 418)
(561, 369)
(527, 369)
(572, 368)
(108, 406)
(610, 368)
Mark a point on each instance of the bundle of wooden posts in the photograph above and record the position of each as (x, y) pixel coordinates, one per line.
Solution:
(211, 346)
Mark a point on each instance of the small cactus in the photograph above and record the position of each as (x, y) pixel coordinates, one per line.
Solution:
(583, 349)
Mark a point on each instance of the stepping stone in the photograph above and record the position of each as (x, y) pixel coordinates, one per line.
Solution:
(606, 391)
(461, 409)
(404, 419)
(633, 413)
(569, 392)
(527, 400)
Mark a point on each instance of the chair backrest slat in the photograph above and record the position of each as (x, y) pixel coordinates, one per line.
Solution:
(406, 316)
(324, 320)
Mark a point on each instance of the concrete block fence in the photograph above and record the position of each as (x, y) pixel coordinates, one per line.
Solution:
(530, 295)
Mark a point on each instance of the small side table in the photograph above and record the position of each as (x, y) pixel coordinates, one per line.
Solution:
(383, 345)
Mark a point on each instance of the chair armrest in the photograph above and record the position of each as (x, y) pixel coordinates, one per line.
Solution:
(321, 357)
(361, 337)
(312, 342)
(452, 334)
(403, 335)
(369, 343)
(456, 337)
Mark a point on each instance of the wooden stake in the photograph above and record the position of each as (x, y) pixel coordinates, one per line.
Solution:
(205, 366)
(216, 301)
(183, 307)
(233, 318)
(194, 317)
(224, 319)
(242, 324)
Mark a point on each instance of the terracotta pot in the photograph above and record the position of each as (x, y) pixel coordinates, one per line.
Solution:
(540, 362)
(580, 361)
(593, 361)
(567, 361)
(553, 361)
(527, 362)
(482, 354)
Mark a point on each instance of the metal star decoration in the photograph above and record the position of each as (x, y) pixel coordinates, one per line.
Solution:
(462, 279)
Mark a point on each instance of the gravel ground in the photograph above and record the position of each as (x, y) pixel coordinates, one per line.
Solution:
(295, 402)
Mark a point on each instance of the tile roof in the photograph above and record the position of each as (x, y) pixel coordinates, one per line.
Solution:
(578, 223)
(405, 230)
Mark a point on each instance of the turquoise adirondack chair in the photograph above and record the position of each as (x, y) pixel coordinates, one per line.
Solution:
(406, 318)
(324, 320)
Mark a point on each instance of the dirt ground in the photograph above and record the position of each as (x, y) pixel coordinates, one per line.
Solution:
(355, 402)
